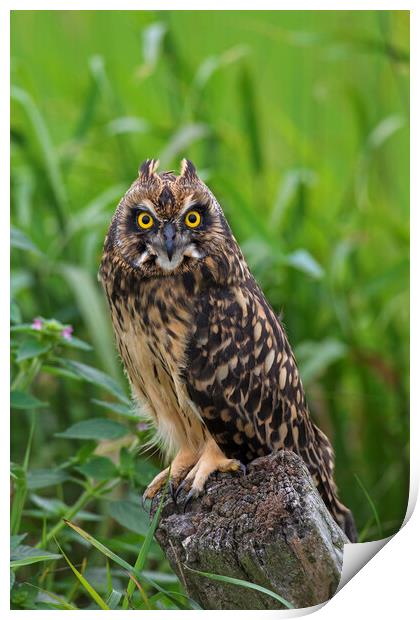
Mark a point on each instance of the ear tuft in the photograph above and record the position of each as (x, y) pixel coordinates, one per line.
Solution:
(148, 169)
(188, 171)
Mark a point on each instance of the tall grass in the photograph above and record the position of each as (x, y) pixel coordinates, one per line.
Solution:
(299, 123)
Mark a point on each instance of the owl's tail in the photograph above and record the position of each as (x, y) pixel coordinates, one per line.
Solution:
(324, 481)
(339, 512)
(344, 518)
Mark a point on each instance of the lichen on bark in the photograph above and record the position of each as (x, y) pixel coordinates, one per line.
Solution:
(269, 527)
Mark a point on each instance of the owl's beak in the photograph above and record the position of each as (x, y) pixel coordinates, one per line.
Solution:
(169, 232)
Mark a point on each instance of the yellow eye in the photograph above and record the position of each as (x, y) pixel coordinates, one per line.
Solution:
(193, 219)
(145, 220)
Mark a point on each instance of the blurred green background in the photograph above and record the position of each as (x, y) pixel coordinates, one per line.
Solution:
(299, 123)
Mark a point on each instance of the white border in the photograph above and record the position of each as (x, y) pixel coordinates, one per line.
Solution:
(387, 585)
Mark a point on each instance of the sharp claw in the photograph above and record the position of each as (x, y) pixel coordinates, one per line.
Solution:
(190, 496)
(243, 468)
(179, 489)
(143, 500)
(171, 490)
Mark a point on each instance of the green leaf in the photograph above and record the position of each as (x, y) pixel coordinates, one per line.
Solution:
(24, 595)
(24, 555)
(12, 579)
(76, 343)
(127, 463)
(95, 428)
(41, 478)
(315, 357)
(84, 452)
(20, 280)
(16, 540)
(211, 64)
(244, 584)
(97, 377)
(384, 130)
(49, 597)
(61, 372)
(93, 214)
(22, 400)
(123, 410)
(182, 139)
(99, 468)
(92, 305)
(23, 328)
(18, 239)
(31, 348)
(131, 516)
(304, 261)
(50, 506)
(15, 313)
(128, 124)
(293, 180)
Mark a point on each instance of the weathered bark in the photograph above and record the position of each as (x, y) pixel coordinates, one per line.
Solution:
(269, 527)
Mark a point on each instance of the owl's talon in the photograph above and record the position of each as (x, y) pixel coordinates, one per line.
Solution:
(143, 500)
(242, 468)
(191, 495)
(179, 489)
(171, 489)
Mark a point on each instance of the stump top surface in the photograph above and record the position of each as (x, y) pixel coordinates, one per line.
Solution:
(269, 527)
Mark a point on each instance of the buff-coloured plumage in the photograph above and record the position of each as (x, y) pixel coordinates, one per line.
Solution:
(205, 354)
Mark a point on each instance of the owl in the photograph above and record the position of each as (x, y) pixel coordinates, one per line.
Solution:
(206, 356)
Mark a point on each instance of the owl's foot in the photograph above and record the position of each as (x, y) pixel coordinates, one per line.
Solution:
(212, 459)
(180, 466)
(157, 483)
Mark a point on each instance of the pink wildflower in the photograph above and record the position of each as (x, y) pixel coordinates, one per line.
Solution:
(37, 324)
(67, 332)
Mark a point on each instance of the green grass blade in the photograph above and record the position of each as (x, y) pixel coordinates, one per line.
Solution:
(141, 558)
(113, 599)
(182, 140)
(363, 534)
(21, 483)
(140, 588)
(130, 569)
(372, 505)
(20, 491)
(84, 582)
(49, 154)
(102, 548)
(244, 584)
(251, 118)
(152, 39)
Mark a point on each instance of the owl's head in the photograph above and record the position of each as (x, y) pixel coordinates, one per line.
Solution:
(167, 224)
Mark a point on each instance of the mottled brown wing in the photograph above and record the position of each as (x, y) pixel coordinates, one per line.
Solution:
(242, 375)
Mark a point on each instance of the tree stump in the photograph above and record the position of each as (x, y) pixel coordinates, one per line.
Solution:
(269, 527)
